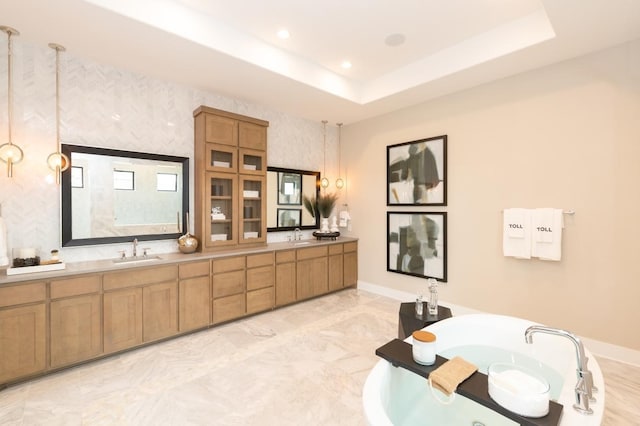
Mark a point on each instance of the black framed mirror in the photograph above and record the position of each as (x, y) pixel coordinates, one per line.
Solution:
(285, 190)
(112, 196)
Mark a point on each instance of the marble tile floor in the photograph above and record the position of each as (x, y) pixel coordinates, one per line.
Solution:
(301, 365)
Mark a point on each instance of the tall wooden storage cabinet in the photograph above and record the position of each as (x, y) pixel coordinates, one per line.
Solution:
(230, 153)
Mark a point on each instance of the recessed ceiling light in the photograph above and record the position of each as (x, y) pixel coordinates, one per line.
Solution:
(394, 40)
(283, 34)
(346, 65)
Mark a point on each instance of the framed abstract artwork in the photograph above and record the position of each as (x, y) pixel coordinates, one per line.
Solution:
(417, 173)
(417, 244)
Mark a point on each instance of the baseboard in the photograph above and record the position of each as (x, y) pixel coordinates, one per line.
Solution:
(596, 347)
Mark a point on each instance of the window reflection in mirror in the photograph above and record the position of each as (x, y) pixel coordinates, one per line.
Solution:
(111, 196)
(285, 190)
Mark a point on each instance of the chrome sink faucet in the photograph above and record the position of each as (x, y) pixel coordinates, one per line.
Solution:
(584, 387)
(297, 234)
(135, 247)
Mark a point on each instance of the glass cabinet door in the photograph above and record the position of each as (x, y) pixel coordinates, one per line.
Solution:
(252, 209)
(252, 162)
(221, 206)
(221, 158)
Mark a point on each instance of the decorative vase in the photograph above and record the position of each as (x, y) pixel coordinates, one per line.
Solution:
(334, 224)
(187, 243)
(324, 225)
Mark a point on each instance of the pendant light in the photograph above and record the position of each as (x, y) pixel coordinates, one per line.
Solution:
(58, 162)
(339, 181)
(9, 152)
(324, 182)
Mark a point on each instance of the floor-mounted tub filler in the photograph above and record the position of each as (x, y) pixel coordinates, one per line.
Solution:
(396, 396)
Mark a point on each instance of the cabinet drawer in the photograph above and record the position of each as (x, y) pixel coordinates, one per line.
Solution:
(194, 269)
(335, 249)
(349, 247)
(260, 277)
(285, 256)
(260, 300)
(137, 277)
(75, 286)
(228, 283)
(256, 260)
(23, 293)
(228, 308)
(228, 264)
(310, 253)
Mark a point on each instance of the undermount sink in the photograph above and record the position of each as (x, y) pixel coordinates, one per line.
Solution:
(135, 259)
(301, 243)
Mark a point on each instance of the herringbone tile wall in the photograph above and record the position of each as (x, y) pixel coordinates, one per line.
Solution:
(114, 108)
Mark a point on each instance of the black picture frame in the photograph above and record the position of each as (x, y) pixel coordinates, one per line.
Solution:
(417, 172)
(289, 189)
(290, 218)
(417, 244)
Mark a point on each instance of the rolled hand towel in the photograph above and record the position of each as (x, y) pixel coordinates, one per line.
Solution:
(449, 375)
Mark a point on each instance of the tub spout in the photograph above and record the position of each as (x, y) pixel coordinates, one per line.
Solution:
(584, 387)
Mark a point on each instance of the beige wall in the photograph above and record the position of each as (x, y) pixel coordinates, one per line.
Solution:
(565, 136)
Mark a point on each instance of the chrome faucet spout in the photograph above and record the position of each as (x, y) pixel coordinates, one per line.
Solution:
(584, 387)
(135, 247)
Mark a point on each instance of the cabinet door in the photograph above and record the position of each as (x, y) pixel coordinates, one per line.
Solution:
(350, 269)
(76, 329)
(159, 311)
(122, 319)
(311, 277)
(252, 209)
(285, 283)
(336, 277)
(221, 158)
(320, 276)
(221, 213)
(22, 341)
(221, 130)
(252, 136)
(252, 162)
(195, 303)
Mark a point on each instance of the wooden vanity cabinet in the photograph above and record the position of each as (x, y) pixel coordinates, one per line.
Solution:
(285, 277)
(228, 286)
(260, 282)
(75, 319)
(140, 305)
(311, 272)
(194, 295)
(23, 330)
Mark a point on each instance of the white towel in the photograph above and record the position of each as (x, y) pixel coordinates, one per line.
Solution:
(516, 235)
(547, 227)
(4, 257)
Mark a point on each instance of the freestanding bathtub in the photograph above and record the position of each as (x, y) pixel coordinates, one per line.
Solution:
(395, 396)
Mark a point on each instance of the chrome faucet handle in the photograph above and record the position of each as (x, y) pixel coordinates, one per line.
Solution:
(144, 251)
(122, 254)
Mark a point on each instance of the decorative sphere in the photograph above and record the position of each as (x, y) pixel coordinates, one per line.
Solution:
(187, 243)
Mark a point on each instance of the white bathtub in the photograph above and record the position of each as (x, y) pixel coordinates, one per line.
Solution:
(395, 396)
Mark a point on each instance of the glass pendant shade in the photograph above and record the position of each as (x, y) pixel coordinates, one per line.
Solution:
(339, 183)
(324, 182)
(9, 152)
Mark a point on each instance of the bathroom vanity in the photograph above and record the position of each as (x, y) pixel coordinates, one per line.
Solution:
(54, 320)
